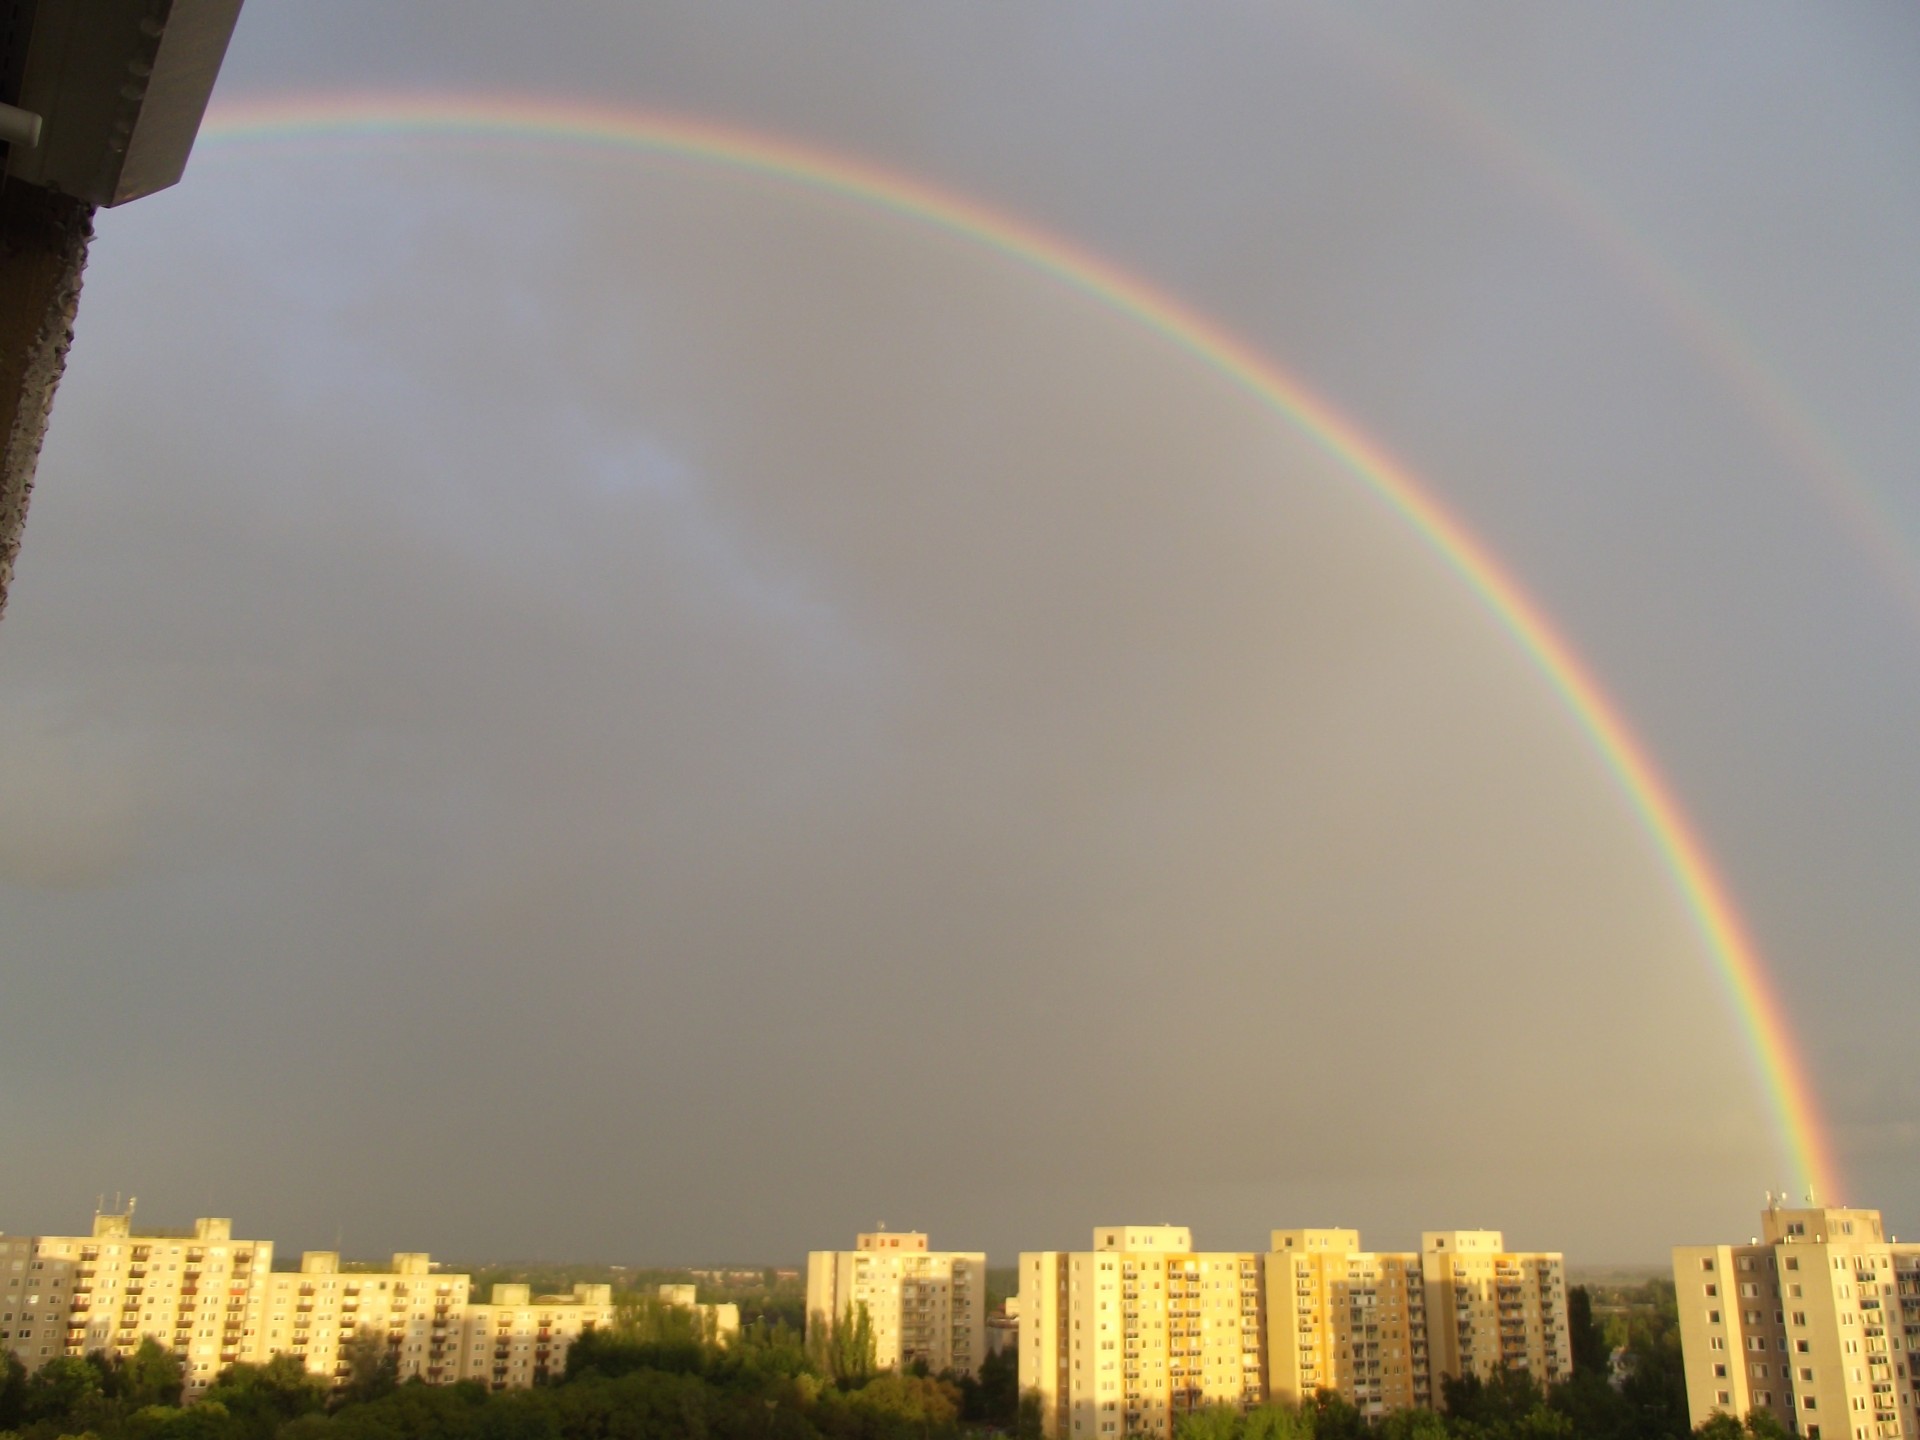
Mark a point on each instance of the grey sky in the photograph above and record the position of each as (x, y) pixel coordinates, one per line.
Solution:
(596, 707)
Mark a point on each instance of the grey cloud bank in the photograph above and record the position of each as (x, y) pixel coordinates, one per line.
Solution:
(601, 708)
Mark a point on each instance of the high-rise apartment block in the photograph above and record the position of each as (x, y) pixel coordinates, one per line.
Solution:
(316, 1312)
(215, 1301)
(1815, 1321)
(202, 1295)
(1344, 1319)
(518, 1338)
(921, 1305)
(1125, 1338)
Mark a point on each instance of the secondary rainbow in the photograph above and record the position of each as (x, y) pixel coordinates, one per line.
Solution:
(1732, 356)
(522, 121)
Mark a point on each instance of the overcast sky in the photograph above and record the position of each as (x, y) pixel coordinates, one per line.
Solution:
(600, 707)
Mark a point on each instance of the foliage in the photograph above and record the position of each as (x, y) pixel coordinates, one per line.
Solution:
(993, 1397)
(845, 1350)
(650, 1378)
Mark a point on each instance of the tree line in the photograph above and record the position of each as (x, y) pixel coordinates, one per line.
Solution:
(655, 1376)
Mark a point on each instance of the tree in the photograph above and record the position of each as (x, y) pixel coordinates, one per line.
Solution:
(850, 1353)
(372, 1369)
(151, 1375)
(1209, 1422)
(65, 1391)
(262, 1398)
(1028, 1423)
(1276, 1422)
(13, 1391)
(993, 1396)
(1334, 1419)
(1591, 1353)
(1412, 1425)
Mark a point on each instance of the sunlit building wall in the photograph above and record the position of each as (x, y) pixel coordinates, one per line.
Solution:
(200, 1294)
(922, 1305)
(1344, 1319)
(1815, 1321)
(1489, 1308)
(518, 1338)
(1125, 1338)
(720, 1323)
(414, 1314)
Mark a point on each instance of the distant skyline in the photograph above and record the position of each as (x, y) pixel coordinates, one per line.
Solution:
(597, 706)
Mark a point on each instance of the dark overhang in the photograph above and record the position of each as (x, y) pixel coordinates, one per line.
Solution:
(118, 86)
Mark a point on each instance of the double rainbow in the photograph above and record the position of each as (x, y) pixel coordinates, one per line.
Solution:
(483, 120)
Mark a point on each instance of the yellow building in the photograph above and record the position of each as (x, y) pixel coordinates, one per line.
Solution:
(1126, 1337)
(199, 1294)
(923, 1305)
(216, 1301)
(414, 1313)
(720, 1323)
(1343, 1319)
(1816, 1320)
(518, 1338)
(1123, 1339)
(1489, 1308)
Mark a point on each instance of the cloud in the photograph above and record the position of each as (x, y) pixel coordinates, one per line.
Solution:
(76, 798)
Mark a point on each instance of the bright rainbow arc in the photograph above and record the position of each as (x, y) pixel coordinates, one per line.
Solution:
(372, 118)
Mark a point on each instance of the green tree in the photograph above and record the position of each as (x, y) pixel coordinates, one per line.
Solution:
(13, 1391)
(372, 1369)
(849, 1357)
(1591, 1352)
(66, 1391)
(1276, 1422)
(151, 1375)
(1412, 1425)
(1028, 1423)
(262, 1398)
(1209, 1422)
(1334, 1419)
(992, 1397)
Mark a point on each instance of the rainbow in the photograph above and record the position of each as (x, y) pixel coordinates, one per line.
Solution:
(1729, 354)
(496, 120)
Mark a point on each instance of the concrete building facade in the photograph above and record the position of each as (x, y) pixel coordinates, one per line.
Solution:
(922, 1305)
(518, 1338)
(316, 1312)
(216, 1301)
(1125, 1338)
(1489, 1308)
(1343, 1319)
(201, 1295)
(1815, 1321)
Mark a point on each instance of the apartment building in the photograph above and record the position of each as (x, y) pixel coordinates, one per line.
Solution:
(1125, 1338)
(35, 1301)
(718, 1322)
(1816, 1321)
(1489, 1308)
(415, 1314)
(200, 1294)
(1344, 1319)
(216, 1301)
(518, 1338)
(922, 1305)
